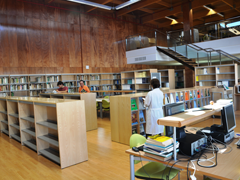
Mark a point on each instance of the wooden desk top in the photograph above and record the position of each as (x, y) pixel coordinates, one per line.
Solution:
(75, 93)
(109, 91)
(188, 117)
(228, 166)
(39, 100)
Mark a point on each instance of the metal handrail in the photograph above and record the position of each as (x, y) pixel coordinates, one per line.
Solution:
(193, 46)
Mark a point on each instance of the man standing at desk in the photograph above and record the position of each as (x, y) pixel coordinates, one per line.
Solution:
(62, 88)
(83, 88)
(154, 102)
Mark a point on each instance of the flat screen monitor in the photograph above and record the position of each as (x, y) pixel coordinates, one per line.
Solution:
(228, 118)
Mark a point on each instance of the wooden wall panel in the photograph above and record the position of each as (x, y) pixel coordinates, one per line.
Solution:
(35, 38)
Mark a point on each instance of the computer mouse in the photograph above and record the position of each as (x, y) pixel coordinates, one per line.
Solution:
(135, 149)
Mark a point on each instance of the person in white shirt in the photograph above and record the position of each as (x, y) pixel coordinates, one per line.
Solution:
(154, 102)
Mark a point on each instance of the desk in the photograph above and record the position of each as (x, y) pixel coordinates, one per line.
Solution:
(186, 118)
(228, 164)
(99, 101)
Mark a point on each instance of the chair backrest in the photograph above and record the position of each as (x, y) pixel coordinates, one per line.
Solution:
(96, 104)
(106, 97)
(136, 140)
(105, 104)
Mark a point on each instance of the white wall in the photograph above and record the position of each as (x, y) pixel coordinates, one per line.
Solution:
(229, 45)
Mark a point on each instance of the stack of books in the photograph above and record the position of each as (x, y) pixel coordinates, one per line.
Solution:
(159, 147)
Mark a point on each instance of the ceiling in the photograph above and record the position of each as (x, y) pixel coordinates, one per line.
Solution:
(155, 11)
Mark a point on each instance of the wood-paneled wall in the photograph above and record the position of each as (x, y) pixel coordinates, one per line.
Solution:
(36, 38)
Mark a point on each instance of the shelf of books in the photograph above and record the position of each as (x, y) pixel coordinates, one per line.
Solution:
(51, 81)
(4, 85)
(217, 75)
(179, 78)
(142, 79)
(167, 78)
(19, 85)
(70, 81)
(128, 114)
(37, 84)
(128, 80)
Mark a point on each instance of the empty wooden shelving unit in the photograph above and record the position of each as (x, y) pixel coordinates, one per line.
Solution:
(167, 78)
(54, 128)
(89, 101)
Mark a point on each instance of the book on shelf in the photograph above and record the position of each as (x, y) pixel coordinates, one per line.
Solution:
(199, 103)
(133, 104)
(186, 96)
(106, 87)
(18, 80)
(186, 105)
(145, 80)
(166, 99)
(52, 78)
(141, 117)
(134, 129)
(116, 76)
(204, 70)
(18, 87)
(197, 78)
(217, 70)
(200, 84)
(163, 141)
(194, 95)
(181, 94)
(225, 84)
(94, 77)
(208, 92)
(141, 103)
(134, 118)
(198, 94)
(142, 130)
(202, 93)
(139, 81)
(177, 99)
(35, 86)
(3, 88)
(171, 98)
(49, 85)
(69, 84)
(4, 80)
(194, 104)
(191, 96)
(167, 84)
(190, 105)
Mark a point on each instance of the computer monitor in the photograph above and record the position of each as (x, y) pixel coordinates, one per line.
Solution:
(228, 118)
(169, 110)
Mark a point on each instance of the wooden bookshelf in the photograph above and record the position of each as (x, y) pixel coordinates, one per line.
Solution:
(54, 128)
(19, 85)
(3, 116)
(167, 78)
(4, 85)
(180, 78)
(36, 84)
(89, 101)
(70, 81)
(217, 75)
(121, 113)
(138, 80)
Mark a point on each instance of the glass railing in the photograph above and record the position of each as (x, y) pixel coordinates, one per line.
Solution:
(212, 31)
(165, 41)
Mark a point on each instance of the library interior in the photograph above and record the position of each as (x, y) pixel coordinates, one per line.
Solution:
(120, 89)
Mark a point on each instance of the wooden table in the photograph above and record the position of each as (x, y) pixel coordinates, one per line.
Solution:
(186, 118)
(113, 91)
(99, 101)
(228, 164)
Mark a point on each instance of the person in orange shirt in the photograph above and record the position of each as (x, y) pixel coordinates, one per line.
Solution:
(83, 88)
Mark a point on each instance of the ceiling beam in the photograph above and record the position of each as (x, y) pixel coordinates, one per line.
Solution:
(50, 1)
(100, 2)
(176, 9)
(231, 4)
(163, 3)
(146, 10)
(135, 6)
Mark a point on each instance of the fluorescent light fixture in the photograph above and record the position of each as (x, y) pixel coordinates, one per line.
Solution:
(233, 24)
(220, 14)
(169, 18)
(126, 4)
(208, 8)
(234, 31)
(222, 25)
(92, 4)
